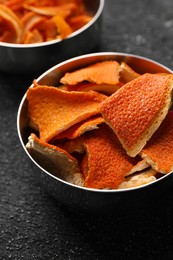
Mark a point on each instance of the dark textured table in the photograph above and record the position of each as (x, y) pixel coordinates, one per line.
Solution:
(35, 226)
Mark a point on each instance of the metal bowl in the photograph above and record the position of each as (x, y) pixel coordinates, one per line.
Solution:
(36, 58)
(93, 200)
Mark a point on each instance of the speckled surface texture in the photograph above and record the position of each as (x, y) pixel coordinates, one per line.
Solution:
(33, 226)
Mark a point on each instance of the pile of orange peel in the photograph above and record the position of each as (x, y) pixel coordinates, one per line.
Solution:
(33, 21)
(105, 126)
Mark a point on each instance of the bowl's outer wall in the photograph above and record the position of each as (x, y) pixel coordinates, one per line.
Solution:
(96, 201)
(42, 57)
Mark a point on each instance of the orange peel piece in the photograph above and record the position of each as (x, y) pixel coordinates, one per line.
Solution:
(80, 128)
(12, 19)
(52, 110)
(126, 73)
(63, 10)
(138, 179)
(140, 166)
(137, 109)
(31, 21)
(79, 21)
(107, 163)
(100, 73)
(158, 151)
(55, 160)
(62, 26)
(106, 89)
(33, 36)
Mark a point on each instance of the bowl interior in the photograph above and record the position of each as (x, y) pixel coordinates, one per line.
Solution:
(52, 78)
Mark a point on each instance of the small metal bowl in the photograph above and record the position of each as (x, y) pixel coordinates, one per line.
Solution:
(38, 57)
(93, 200)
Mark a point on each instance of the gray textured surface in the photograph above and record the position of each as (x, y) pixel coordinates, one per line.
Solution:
(35, 226)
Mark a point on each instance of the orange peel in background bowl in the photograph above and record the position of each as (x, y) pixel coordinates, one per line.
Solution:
(36, 35)
(26, 22)
(107, 157)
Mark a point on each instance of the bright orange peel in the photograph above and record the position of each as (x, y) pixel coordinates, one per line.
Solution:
(159, 150)
(106, 163)
(136, 110)
(105, 72)
(14, 14)
(52, 110)
(80, 128)
(13, 22)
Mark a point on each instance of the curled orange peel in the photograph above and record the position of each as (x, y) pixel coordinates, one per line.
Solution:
(126, 73)
(13, 21)
(14, 13)
(54, 159)
(62, 10)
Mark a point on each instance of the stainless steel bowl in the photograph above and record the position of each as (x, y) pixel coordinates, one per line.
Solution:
(36, 58)
(93, 200)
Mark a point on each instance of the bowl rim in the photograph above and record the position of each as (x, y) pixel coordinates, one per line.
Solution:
(52, 42)
(59, 179)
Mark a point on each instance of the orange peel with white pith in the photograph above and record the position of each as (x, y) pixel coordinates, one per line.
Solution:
(55, 160)
(106, 163)
(51, 110)
(139, 179)
(126, 73)
(136, 110)
(158, 151)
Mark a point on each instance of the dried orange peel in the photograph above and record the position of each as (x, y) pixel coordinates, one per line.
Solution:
(54, 159)
(80, 128)
(14, 19)
(63, 10)
(119, 141)
(158, 151)
(52, 110)
(126, 73)
(105, 77)
(94, 73)
(136, 110)
(106, 89)
(12, 23)
(106, 163)
(138, 179)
